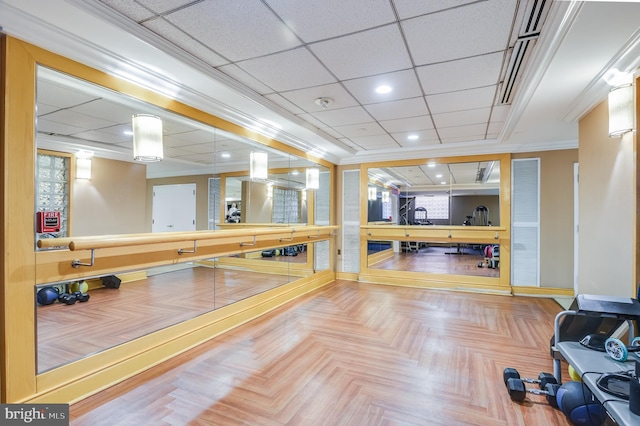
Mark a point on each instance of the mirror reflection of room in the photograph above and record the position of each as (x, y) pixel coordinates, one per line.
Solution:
(81, 121)
(431, 194)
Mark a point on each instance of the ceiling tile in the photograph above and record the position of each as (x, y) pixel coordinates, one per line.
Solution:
(398, 109)
(463, 100)
(472, 30)
(362, 129)
(107, 110)
(238, 29)
(469, 73)
(313, 121)
(410, 8)
(411, 124)
(500, 112)
(363, 54)
(404, 85)
(343, 116)
(375, 142)
(424, 137)
(317, 20)
(462, 118)
(165, 29)
(305, 98)
(132, 10)
(48, 126)
(471, 131)
(290, 70)
(201, 148)
(62, 97)
(243, 77)
(159, 6)
(78, 119)
(284, 103)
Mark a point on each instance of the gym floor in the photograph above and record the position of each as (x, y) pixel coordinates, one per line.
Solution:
(351, 354)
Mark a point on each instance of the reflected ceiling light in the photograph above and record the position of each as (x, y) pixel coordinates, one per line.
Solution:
(270, 190)
(385, 196)
(443, 183)
(373, 194)
(313, 178)
(83, 164)
(382, 89)
(225, 155)
(147, 138)
(621, 110)
(258, 165)
(439, 175)
(431, 164)
(412, 137)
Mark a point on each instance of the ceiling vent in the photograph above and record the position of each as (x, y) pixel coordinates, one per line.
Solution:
(531, 19)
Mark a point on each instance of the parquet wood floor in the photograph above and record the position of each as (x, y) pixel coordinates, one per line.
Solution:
(350, 354)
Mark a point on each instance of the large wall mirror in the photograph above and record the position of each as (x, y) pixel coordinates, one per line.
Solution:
(86, 172)
(437, 199)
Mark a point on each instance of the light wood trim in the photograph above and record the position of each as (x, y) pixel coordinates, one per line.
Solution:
(127, 240)
(542, 291)
(17, 366)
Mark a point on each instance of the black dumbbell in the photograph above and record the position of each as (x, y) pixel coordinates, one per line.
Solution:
(542, 380)
(67, 299)
(518, 391)
(81, 297)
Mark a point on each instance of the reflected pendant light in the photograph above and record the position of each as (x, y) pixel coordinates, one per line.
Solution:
(621, 111)
(147, 138)
(258, 165)
(373, 193)
(313, 178)
(385, 196)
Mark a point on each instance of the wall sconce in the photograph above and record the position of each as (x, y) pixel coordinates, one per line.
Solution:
(621, 110)
(83, 165)
(147, 138)
(373, 193)
(385, 196)
(270, 190)
(258, 165)
(313, 178)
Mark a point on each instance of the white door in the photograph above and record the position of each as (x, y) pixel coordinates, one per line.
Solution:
(174, 208)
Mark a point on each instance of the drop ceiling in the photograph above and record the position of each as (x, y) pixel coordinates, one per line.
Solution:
(467, 77)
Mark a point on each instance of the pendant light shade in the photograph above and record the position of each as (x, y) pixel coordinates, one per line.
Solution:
(385, 196)
(373, 193)
(621, 110)
(313, 178)
(258, 165)
(147, 138)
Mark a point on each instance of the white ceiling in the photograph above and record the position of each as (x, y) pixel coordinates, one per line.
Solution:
(263, 64)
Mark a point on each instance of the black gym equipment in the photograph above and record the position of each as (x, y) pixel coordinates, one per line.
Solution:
(47, 295)
(67, 299)
(81, 297)
(518, 391)
(111, 281)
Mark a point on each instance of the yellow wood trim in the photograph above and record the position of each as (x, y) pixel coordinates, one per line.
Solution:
(437, 282)
(17, 89)
(349, 276)
(542, 291)
(78, 380)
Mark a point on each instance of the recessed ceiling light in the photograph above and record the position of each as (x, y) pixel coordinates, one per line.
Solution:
(225, 155)
(431, 164)
(443, 183)
(128, 132)
(412, 137)
(383, 89)
(438, 176)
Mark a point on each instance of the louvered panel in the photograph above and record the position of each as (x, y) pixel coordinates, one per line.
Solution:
(214, 207)
(525, 213)
(351, 221)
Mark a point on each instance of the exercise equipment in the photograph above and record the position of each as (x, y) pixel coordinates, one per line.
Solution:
(578, 404)
(47, 295)
(574, 374)
(111, 281)
(67, 299)
(80, 286)
(618, 350)
(517, 389)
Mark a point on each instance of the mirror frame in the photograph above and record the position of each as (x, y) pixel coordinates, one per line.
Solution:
(439, 233)
(20, 381)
